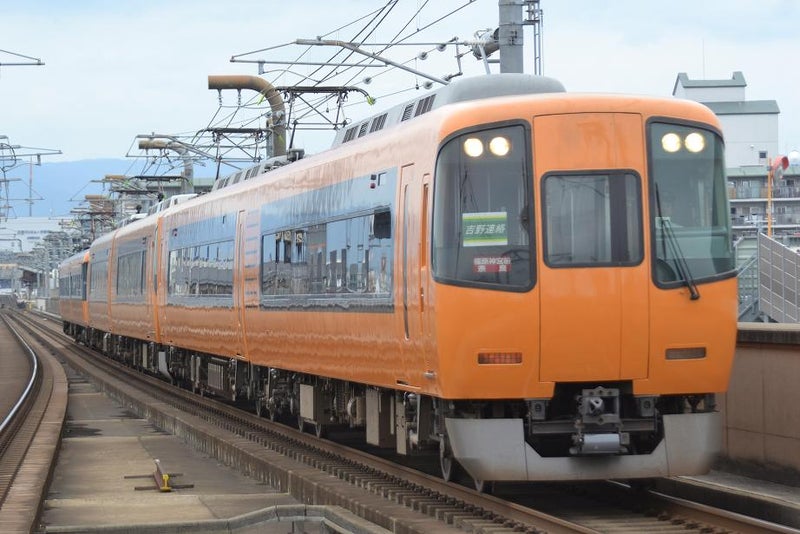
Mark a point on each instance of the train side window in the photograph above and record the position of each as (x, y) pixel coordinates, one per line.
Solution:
(269, 259)
(84, 270)
(382, 225)
(130, 274)
(99, 280)
(329, 259)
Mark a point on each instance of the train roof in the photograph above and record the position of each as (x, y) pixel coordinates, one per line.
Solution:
(76, 259)
(474, 88)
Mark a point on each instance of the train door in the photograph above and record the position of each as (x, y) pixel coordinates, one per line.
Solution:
(151, 282)
(238, 279)
(411, 263)
(248, 281)
(593, 278)
(160, 277)
(425, 287)
(85, 289)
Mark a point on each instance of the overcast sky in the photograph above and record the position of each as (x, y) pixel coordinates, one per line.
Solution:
(117, 69)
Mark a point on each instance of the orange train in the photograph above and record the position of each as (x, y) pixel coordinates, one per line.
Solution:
(539, 284)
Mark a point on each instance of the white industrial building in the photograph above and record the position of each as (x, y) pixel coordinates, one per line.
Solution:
(750, 128)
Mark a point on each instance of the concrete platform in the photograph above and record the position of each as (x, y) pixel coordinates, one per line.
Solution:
(762, 489)
(104, 446)
(769, 501)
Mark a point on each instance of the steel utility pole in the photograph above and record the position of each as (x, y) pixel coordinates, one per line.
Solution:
(510, 36)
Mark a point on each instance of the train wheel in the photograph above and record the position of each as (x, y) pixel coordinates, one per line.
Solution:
(482, 486)
(319, 430)
(447, 463)
(641, 485)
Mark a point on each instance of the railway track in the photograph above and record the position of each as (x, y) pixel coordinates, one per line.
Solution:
(33, 404)
(22, 381)
(393, 496)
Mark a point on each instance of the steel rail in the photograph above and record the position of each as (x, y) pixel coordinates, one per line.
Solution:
(35, 376)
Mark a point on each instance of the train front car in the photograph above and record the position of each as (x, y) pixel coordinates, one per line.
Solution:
(585, 288)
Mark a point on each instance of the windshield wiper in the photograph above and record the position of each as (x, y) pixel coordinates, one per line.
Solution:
(680, 259)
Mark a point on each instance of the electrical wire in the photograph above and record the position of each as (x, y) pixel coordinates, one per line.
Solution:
(250, 112)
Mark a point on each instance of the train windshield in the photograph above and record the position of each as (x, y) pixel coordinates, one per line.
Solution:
(689, 205)
(592, 220)
(482, 210)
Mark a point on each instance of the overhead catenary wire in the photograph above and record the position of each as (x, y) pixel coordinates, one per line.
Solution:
(314, 112)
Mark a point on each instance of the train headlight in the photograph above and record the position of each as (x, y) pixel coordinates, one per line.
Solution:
(694, 142)
(473, 147)
(499, 146)
(671, 142)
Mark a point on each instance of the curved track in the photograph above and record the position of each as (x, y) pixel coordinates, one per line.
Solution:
(20, 372)
(33, 392)
(372, 487)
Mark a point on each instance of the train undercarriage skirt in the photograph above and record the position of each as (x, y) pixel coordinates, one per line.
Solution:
(495, 449)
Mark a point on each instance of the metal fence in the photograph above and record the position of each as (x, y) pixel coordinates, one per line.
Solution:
(778, 288)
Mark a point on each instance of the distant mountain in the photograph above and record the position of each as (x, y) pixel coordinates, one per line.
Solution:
(60, 187)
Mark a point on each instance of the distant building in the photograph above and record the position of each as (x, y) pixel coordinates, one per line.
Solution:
(22, 234)
(10, 279)
(750, 128)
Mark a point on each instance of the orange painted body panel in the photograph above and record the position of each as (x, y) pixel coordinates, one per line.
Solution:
(99, 316)
(210, 330)
(364, 347)
(708, 322)
(594, 322)
(74, 311)
(132, 320)
(472, 321)
(590, 330)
